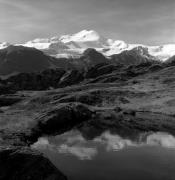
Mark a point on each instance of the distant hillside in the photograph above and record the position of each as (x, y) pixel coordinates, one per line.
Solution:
(19, 59)
(14, 59)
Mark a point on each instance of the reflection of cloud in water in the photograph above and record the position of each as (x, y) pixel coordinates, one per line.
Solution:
(73, 143)
(42, 142)
(162, 139)
(116, 142)
(83, 153)
(113, 142)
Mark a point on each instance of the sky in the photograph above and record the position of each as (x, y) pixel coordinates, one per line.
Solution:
(134, 21)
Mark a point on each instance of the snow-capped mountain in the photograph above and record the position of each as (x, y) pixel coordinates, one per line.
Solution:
(82, 36)
(163, 52)
(85, 39)
(76, 44)
(50, 46)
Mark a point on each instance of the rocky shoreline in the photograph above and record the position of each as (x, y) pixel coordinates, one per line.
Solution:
(18, 161)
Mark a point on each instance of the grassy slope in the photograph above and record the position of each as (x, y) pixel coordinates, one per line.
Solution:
(151, 92)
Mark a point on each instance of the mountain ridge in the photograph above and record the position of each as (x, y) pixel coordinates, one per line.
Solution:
(21, 59)
(75, 44)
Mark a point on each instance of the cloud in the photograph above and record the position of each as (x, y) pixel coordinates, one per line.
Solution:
(140, 21)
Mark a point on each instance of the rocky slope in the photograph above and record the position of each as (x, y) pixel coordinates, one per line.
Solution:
(144, 91)
(135, 56)
(23, 163)
(19, 59)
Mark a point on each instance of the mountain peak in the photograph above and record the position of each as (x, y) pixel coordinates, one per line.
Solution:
(84, 35)
(87, 34)
(74, 45)
(141, 50)
(4, 45)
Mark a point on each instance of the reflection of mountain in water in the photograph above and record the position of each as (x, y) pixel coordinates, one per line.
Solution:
(97, 150)
(78, 144)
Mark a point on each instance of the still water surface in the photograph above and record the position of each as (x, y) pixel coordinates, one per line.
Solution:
(150, 156)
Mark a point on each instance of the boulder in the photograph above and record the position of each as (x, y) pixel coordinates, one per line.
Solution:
(57, 120)
(26, 164)
(63, 116)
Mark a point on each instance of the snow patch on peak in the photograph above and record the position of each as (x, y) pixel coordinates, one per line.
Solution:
(37, 45)
(163, 52)
(4, 45)
(87, 36)
(38, 40)
(119, 44)
(54, 39)
(46, 43)
(81, 36)
(84, 39)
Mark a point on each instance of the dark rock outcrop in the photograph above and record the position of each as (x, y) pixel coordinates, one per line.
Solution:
(170, 61)
(26, 164)
(70, 78)
(92, 57)
(134, 56)
(36, 121)
(101, 69)
(46, 79)
(60, 118)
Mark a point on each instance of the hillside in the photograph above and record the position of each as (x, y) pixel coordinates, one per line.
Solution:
(17, 59)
